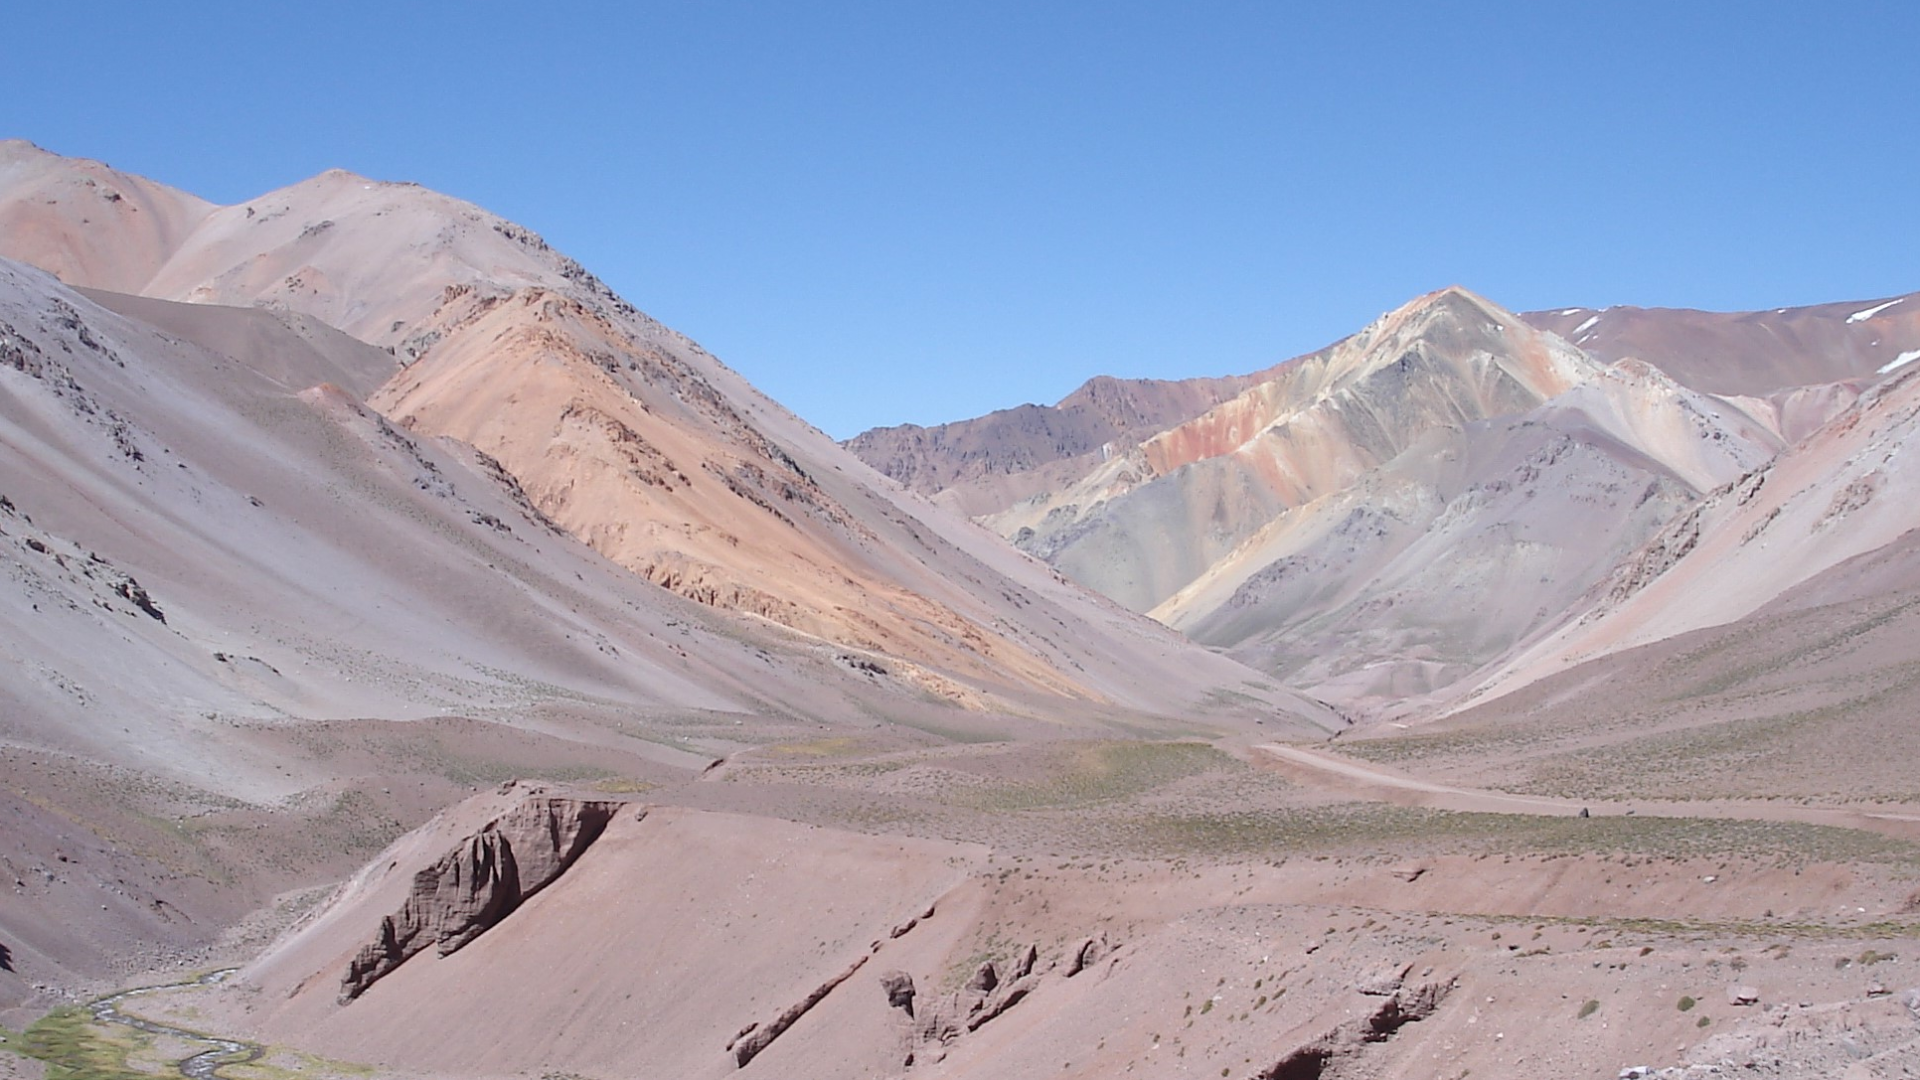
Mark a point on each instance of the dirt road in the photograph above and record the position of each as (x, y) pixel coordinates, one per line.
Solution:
(1367, 780)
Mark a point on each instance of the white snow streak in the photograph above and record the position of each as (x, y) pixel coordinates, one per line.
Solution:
(1900, 361)
(1863, 316)
(1585, 326)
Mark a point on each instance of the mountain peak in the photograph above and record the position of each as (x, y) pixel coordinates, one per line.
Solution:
(347, 178)
(14, 149)
(1456, 298)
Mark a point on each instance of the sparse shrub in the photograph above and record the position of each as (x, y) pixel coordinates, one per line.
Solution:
(1687, 1003)
(1703, 1021)
(1589, 1008)
(1872, 956)
(1206, 1007)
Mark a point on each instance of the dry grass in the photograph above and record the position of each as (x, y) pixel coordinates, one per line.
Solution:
(1377, 828)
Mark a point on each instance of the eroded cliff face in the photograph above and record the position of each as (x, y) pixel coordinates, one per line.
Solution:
(467, 891)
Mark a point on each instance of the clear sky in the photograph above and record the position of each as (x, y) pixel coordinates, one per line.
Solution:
(901, 211)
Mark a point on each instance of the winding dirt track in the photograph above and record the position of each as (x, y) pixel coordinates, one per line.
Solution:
(1367, 780)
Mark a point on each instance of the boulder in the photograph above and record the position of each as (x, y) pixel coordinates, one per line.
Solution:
(1384, 980)
(985, 978)
(1742, 995)
(1089, 953)
(898, 986)
(1023, 966)
(1011, 994)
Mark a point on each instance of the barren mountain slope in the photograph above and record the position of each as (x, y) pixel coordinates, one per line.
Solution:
(1157, 516)
(1383, 518)
(88, 223)
(225, 578)
(1842, 492)
(258, 627)
(634, 439)
(1807, 698)
(1753, 353)
(1114, 521)
(200, 548)
(1471, 540)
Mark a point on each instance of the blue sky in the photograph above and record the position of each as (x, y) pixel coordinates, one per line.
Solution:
(913, 212)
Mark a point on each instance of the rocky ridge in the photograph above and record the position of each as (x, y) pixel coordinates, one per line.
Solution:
(470, 889)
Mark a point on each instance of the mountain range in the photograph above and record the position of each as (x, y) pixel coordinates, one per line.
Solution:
(483, 680)
(1388, 524)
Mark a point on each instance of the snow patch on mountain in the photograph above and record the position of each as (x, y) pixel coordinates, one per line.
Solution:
(1900, 361)
(1863, 316)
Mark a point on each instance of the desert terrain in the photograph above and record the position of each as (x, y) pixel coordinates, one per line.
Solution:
(422, 663)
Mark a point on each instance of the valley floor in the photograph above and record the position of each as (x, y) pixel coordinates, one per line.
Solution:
(1146, 908)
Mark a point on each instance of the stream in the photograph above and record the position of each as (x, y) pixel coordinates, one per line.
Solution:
(201, 1066)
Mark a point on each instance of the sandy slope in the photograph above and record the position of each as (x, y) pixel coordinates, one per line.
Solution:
(674, 931)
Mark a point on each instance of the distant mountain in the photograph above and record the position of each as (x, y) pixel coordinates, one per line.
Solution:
(985, 465)
(1749, 353)
(1377, 521)
(1843, 493)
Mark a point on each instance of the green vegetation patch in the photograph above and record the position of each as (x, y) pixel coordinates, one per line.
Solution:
(1099, 772)
(75, 1047)
(1372, 826)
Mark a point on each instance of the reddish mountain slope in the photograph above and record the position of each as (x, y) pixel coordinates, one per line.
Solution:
(634, 439)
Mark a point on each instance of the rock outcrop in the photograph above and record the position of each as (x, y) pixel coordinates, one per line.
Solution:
(1088, 954)
(898, 986)
(757, 1037)
(1347, 1040)
(481, 881)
